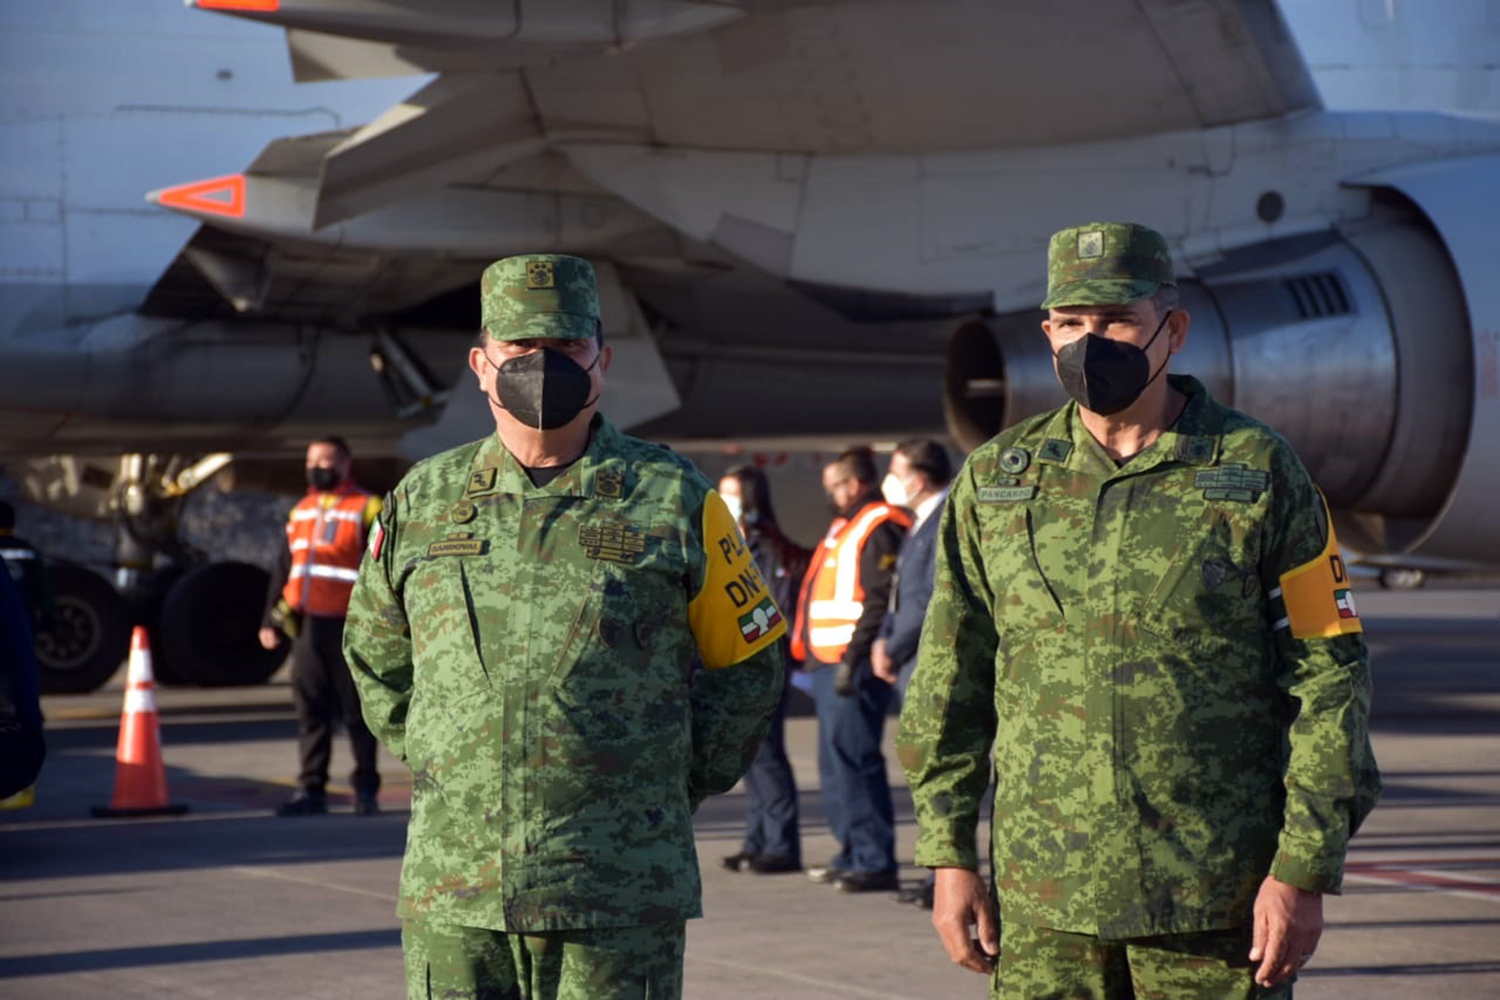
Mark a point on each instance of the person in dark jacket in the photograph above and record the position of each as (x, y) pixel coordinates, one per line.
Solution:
(21, 745)
(29, 570)
(773, 841)
(918, 480)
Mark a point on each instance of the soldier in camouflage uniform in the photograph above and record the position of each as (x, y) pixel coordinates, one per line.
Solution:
(561, 631)
(1141, 608)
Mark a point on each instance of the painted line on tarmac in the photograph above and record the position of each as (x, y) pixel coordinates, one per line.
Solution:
(318, 883)
(78, 824)
(832, 986)
(1436, 875)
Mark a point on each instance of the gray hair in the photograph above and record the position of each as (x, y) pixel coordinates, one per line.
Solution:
(1165, 299)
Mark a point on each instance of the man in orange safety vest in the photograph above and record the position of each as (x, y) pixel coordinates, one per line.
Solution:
(307, 601)
(839, 612)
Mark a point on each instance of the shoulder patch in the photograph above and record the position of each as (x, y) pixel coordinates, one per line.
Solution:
(377, 540)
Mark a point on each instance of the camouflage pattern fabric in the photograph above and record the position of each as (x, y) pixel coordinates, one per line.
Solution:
(530, 653)
(1106, 263)
(539, 295)
(615, 963)
(1037, 962)
(1161, 739)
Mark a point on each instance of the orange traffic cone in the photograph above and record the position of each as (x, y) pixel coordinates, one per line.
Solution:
(140, 777)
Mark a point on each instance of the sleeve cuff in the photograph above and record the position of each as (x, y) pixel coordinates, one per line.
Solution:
(946, 849)
(1313, 876)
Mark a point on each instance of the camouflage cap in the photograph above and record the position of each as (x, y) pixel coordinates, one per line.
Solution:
(1106, 263)
(539, 295)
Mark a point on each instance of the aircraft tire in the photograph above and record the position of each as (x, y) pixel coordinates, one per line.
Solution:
(90, 633)
(208, 626)
(148, 603)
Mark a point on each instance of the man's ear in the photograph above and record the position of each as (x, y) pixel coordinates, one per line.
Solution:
(606, 355)
(1177, 329)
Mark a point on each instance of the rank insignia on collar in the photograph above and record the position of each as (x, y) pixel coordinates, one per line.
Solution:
(1195, 449)
(1232, 482)
(612, 542)
(609, 483)
(1014, 460)
(481, 481)
(1055, 450)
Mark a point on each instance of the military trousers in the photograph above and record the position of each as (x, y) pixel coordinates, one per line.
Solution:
(642, 962)
(1041, 962)
(856, 793)
(324, 694)
(771, 826)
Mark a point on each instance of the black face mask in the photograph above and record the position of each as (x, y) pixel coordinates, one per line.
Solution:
(544, 389)
(1105, 375)
(323, 478)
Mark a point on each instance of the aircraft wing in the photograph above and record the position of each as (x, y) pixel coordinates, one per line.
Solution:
(681, 138)
(787, 78)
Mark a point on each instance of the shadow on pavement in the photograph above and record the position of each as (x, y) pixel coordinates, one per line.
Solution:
(105, 959)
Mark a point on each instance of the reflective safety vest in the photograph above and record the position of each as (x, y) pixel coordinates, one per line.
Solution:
(327, 542)
(833, 595)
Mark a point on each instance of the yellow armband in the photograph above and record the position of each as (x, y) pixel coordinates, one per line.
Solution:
(732, 616)
(1318, 596)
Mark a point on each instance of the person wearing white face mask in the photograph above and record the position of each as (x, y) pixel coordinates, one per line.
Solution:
(917, 480)
(772, 842)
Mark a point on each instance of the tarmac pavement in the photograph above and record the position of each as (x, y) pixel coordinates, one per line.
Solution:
(231, 901)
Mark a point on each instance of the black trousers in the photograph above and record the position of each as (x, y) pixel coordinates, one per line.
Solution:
(324, 694)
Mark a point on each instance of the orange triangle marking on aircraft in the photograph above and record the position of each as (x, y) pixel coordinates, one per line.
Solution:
(218, 196)
(239, 4)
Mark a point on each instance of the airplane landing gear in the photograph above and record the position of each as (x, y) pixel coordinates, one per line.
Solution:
(88, 635)
(203, 615)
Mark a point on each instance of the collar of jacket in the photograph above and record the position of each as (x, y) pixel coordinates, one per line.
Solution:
(1192, 440)
(599, 471)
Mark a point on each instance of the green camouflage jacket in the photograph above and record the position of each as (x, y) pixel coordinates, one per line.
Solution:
(532, 653)
(1166, 660)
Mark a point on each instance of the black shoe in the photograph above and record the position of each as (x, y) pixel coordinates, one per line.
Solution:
(920, 897)
(771, 864)
(868, 882)
(303, 804)
(736, 862)
(825, 874)
(365, 804)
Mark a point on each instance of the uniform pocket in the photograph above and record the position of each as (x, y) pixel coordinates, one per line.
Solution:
(1209, 595)
(445, 611)
(1026, 601)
